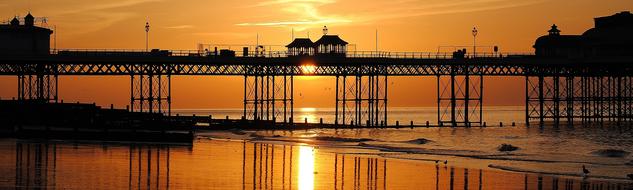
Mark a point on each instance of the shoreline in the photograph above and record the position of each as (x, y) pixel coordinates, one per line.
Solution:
(464, 157)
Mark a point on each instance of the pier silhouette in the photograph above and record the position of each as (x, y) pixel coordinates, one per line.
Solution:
(565, 82)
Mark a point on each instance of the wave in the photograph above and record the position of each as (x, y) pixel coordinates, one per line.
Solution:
(611, 153)
(419, 141)
(404, 147)
(343, 139)
(471, 154)
(572, 174)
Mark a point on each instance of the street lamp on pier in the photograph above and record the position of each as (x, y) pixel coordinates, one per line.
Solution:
(474, 41)
(146, 36)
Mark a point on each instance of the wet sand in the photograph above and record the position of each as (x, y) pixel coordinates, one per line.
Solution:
(249, 164)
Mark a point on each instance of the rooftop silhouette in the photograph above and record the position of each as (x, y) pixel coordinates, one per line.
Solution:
(24, 39)
(611, 36)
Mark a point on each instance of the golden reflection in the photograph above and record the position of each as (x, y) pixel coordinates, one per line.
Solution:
(308, 114)
(306, 168)
(308, 109)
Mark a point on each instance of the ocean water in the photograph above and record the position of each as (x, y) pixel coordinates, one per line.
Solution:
(493, 115)
(553, 150)
(418, 158)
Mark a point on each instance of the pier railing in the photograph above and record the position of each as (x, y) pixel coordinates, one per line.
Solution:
(271, 54)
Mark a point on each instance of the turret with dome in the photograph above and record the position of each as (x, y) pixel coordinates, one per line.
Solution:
(18, 39)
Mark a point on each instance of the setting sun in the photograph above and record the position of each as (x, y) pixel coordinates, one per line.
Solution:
(308, 68)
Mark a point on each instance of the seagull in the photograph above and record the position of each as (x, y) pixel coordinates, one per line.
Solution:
(445, 162)
(630, 176)
(585, 171)
(437, 162)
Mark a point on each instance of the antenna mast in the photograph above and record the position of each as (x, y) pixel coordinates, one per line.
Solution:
(376, 40)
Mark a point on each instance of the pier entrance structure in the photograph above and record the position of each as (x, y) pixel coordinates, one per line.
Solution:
(22, 38)
(569, 79)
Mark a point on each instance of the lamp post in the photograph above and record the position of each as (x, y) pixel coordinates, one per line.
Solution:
(474, 41)
(146, 36)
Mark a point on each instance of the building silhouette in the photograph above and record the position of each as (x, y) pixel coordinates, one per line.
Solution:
(301, 47)
(612, 36)
(24, 39)
(327, 45)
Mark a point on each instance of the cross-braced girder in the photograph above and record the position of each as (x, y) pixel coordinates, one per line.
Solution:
(268, 97)
(151, 92)
(585, 99)
(361, 101)
(38, 87)
(460, 99)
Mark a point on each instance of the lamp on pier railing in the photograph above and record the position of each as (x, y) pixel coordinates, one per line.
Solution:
(474, 41)
(147, 36)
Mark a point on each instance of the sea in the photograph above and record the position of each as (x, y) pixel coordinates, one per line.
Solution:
(493, 157)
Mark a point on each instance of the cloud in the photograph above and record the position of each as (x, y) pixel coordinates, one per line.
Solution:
(413, 8)
(222, 34)
(100, 6)
(307, 13)
(296, 23)
(90, 16)
(311, 13)
(277, 2)
(180, 27)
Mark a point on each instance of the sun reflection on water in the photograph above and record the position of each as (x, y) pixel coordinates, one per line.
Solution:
(306, 168)
(309, 114)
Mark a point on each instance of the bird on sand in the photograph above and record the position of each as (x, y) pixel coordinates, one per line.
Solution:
(585, 171)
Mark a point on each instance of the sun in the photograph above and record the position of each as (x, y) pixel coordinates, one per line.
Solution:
(308, 69)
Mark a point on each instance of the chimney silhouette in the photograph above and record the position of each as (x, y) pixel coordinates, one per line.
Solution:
(15, 21)
(29, 20)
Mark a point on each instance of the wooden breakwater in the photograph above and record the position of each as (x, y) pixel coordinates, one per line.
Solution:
(211, 123)
(38, 119)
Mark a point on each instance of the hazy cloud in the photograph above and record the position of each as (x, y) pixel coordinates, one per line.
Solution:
(310, 13)
(267, 3)
(99, 6)
(222, 34)
(307, 13)
(413, 8)
(180, 27)
(94, 15)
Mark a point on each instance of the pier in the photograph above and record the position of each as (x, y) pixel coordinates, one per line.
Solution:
(558, 90)
(567, 80)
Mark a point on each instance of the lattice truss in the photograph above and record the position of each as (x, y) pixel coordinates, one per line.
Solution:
(269, 98)
(195, 67)
(586, 99)
(460, 100)
(150, 92)
(38, 87)
(361, 100)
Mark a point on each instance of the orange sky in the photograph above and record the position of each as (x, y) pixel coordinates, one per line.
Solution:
(403, 25)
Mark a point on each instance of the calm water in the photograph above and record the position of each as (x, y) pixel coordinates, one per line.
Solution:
(332, 159)
(220, 164)
(419, 115)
